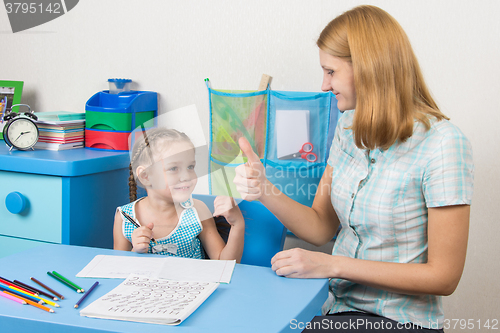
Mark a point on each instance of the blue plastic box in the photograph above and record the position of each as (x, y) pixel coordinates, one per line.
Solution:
(116, 114)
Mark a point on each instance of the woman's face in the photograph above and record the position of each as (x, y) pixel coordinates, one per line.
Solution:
(338, 77)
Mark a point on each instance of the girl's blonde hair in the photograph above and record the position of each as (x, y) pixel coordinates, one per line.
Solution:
(147, 146)
(390, 88)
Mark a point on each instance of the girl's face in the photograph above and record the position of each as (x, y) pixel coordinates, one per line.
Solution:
(338, 77)
(174, 176)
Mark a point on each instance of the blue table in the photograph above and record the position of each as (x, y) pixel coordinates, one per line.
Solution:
(256, 300)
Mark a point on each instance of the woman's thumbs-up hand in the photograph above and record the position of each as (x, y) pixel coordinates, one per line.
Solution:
(250, 179)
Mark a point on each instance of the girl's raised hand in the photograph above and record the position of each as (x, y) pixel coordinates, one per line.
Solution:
(227, 207)
(141, 237)
(250, 179)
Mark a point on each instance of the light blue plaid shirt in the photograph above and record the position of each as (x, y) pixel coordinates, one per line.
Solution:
(381, 199)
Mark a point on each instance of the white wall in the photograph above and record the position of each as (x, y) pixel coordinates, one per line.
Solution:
(172, 46)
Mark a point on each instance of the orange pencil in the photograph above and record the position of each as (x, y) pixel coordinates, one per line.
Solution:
(32, 303)
(39, 306)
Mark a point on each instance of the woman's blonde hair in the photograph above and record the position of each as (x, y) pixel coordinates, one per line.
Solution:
(390, 88)
(147, 147)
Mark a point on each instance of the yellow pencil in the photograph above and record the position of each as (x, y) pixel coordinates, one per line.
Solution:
(26, 293)
(47, 301)
(38, 297)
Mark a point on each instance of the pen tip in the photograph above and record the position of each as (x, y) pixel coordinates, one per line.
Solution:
(57, 305)
(76, 306)
(55, 299)
(51, 311)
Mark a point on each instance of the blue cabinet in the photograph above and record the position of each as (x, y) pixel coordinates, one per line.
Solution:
(63, 197)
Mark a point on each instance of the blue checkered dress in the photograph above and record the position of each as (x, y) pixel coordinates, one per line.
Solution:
(183, 241)
(382, 199)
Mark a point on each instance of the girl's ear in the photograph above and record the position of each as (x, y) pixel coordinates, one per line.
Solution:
(143, 176)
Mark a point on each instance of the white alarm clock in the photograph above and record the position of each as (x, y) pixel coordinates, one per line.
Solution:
(20, 130)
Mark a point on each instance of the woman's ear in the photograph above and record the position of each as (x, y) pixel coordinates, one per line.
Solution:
(143, 176)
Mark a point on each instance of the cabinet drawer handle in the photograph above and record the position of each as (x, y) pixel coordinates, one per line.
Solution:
(16, 203)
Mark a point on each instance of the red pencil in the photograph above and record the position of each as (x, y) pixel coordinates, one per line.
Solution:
(12, 284)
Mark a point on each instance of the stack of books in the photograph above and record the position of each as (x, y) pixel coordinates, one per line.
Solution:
(60, 130)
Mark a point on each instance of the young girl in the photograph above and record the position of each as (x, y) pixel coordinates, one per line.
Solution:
(171, 221)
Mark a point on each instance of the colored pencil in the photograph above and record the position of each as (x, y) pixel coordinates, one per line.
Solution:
(22, 297)
(40, 292)
(54, 304)
(9, 290)
(68, 281)
(86, 294)
(40, 306)
(47, 288)
(10, 283)
(21, 290)
(38, 298)
(13, 286)
(13, 298)
(137, 225)
(46, 301)
(24, 286)
(64, 282)
(43, 307)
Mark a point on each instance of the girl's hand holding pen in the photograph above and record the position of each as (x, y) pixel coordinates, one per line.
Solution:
(141, 238)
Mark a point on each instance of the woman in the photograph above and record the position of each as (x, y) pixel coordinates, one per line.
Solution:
(399, 180)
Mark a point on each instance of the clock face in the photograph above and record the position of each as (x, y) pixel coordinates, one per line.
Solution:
(22, 133)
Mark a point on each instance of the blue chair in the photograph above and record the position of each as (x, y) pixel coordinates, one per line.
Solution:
(264, 233)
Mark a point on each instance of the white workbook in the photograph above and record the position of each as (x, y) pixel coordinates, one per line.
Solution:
(173, 268)
(151, 300)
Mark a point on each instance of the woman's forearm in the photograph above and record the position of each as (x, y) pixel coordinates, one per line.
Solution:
(317, 224)
(410, 279)
(404, 278)
(447, 234)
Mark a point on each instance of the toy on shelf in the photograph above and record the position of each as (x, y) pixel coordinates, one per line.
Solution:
(112, 115)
